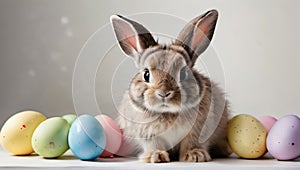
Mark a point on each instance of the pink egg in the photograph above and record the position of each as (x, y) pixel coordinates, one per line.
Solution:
(128, 147)
(113, 135)
(283, 140)
(267, 122)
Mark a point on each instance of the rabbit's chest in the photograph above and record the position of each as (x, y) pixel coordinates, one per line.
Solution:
(166, 135)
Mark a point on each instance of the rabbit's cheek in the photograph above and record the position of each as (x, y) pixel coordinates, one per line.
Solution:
(138, 90)
(190, 93)
(176, 100)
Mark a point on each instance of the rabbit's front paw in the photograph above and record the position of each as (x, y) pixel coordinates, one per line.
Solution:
(157, 156)
(196, 155)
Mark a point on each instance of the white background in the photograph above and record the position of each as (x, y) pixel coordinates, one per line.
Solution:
(257, 43)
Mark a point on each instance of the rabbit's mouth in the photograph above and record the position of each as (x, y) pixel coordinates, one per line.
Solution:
(165, 107)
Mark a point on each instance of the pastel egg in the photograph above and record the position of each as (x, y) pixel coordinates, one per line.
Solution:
(267, 121)
(86, 138)
(50, 138)
(70, 118)
(128, 147)
(113, 135)
(16, 133)
(283, 141)
(247, 136)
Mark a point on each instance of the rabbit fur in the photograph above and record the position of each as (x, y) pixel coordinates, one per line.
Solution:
(171, 111)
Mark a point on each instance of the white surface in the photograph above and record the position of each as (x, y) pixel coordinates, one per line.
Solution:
(257, 42)
(69, 161)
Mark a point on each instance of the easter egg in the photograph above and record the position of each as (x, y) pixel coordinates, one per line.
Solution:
(267, 122)
(128, 147)
(283, 141)
(16, 133)
(113, 135)
(87, 138)
(50, 138)
(247, 136)
(70, 118)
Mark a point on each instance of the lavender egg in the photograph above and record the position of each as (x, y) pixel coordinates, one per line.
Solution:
(283, 140)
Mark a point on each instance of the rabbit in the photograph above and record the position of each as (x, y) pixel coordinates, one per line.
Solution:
(171, 111)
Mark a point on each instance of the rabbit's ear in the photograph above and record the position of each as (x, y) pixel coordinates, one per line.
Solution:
(197, 34)
(132, 36)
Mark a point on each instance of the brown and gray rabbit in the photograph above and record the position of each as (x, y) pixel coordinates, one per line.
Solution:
(170, 110)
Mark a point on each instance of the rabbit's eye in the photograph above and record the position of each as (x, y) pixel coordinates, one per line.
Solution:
(146, 75)
(183, 73)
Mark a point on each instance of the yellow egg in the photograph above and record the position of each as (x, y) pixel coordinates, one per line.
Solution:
(247, 136)
(16, 133)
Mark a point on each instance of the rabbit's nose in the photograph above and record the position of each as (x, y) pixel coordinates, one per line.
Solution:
(164, 95)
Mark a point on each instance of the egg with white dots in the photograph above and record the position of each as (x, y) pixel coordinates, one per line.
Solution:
(247, 136)
(283, 141)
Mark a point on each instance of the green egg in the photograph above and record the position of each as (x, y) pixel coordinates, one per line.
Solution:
(50, 138)
(70, 118)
